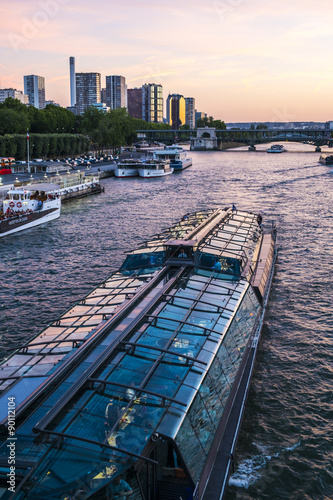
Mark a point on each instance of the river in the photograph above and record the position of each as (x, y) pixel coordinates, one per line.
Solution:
(285, 445)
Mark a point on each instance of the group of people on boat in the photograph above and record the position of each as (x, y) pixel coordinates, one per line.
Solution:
(9, 214)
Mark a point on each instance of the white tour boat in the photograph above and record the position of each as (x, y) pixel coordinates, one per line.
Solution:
(176, 155)
(29, 206)
(155, 168)
(128, 168)
(276, 148)
(326, 159)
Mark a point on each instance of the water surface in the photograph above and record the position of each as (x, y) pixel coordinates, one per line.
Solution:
(285, 446)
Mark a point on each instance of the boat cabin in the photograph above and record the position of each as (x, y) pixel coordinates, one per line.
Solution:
(179, 252)
(21, 199)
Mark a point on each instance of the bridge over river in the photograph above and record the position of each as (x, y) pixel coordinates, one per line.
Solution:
(250, 137)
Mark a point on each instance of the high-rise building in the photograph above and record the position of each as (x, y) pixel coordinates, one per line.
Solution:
(34, 87)
(115, 92)
(190, 112)
(152, 103)
(72, 80)
(103, 96)
(134, 102)
(15, 94)
(176, 110)
(199, 115)
(88, 90)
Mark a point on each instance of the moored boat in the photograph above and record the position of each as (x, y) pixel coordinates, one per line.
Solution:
(147, 377)
(276, 148)
(128, 168)
(155, 168)
(29, 206)
(326, 159)
(176, 155)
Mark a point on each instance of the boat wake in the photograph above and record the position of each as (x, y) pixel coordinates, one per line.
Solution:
(250, 470)
(292, 181)
(293, 169)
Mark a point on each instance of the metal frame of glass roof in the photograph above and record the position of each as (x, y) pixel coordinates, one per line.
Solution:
(63, 435)
(159, 330)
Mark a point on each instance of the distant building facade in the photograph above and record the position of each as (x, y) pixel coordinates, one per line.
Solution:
(199, 116)
(103, 95)
(115, 92)
(134, 102)
(101, 106)
(190, 112)
(88, 90)
(152, 103)
(329, 125)
(176, 110)
(15, 94)
(53, 103)
(34, 88)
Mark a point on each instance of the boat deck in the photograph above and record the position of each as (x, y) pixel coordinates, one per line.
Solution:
(133, 360)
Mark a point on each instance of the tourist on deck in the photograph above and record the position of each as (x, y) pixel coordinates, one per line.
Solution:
(259, 220)
(119, 488)
(217, 265)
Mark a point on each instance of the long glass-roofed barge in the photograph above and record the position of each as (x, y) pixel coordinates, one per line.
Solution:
(146, 378)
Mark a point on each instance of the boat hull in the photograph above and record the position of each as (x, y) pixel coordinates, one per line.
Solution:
(120, 172)
(27, 221)
(181, 165)
(150, 173)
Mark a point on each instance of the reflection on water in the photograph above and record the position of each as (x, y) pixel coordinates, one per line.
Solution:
(284, 447)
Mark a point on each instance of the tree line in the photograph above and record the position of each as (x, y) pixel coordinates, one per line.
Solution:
(57, 132)
(43, 145)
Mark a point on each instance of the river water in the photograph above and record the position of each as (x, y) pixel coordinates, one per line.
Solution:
(285, 445)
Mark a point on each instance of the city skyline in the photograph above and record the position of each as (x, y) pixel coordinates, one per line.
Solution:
(241, 61)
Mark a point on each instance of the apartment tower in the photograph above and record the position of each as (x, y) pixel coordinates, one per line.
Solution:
(190, 112)
(176, 106)
(88, 90)
(152, 103)
(115, 92)
(34, 88)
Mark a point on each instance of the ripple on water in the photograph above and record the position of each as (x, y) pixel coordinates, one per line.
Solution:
(285, 443)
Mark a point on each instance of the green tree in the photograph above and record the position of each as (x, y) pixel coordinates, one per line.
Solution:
(210, 122)
(13, 122)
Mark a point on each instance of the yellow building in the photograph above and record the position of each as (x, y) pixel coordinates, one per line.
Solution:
(176, 110)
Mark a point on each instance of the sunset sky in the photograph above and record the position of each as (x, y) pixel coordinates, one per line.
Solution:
(242, 60)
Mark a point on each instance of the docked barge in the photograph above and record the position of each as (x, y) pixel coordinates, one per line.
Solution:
(146, 378)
